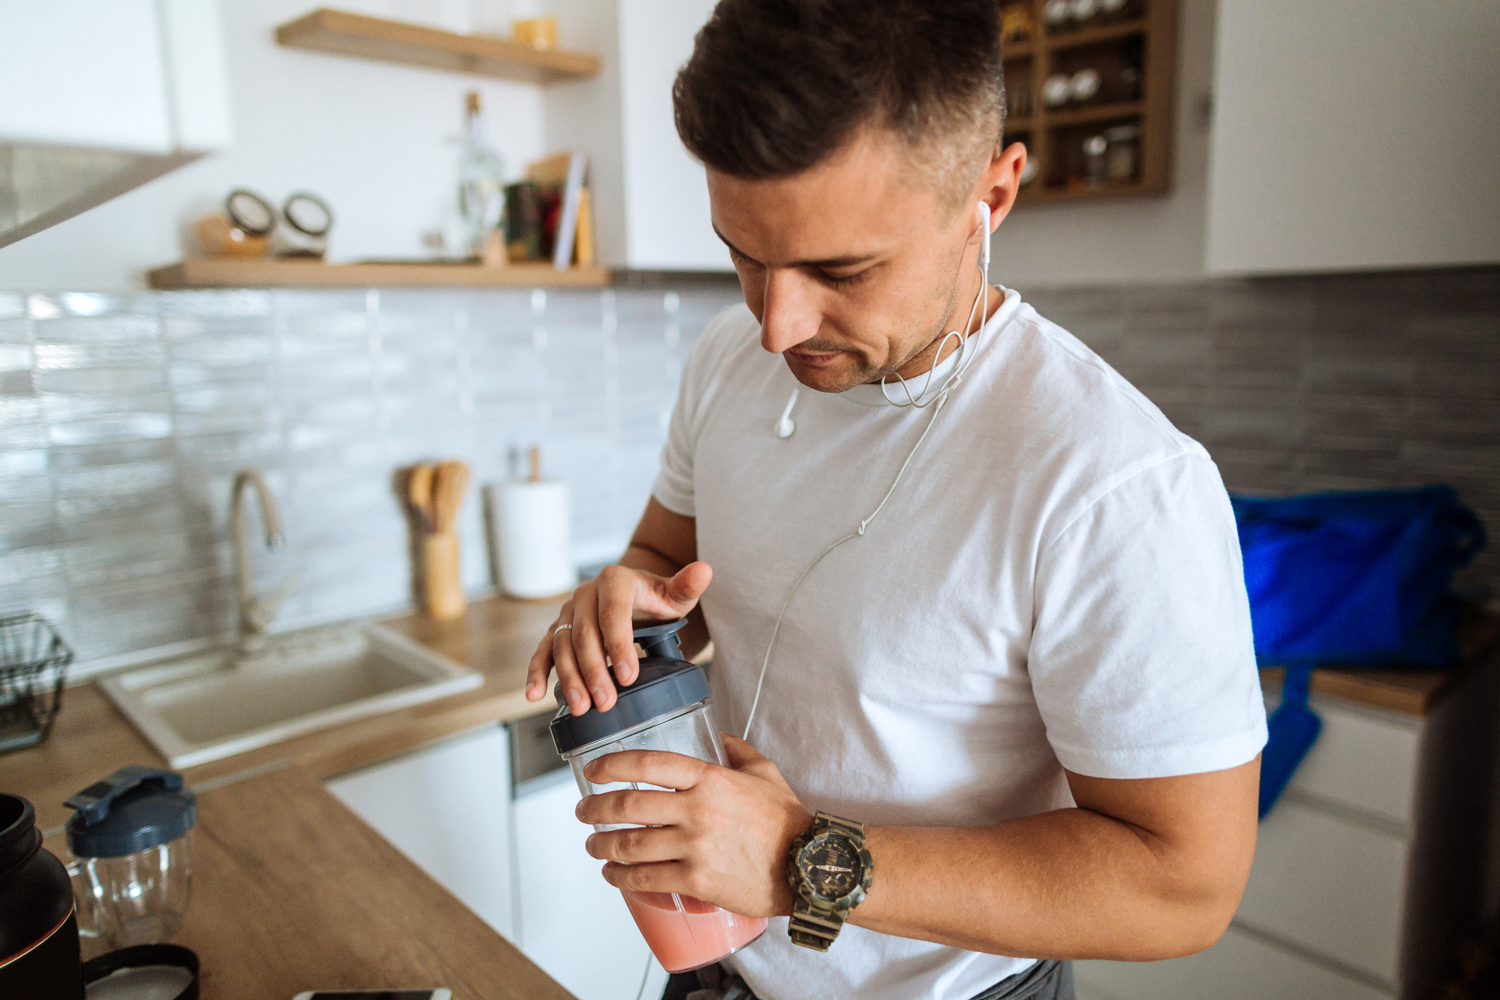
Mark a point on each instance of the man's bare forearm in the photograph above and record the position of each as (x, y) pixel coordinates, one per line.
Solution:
(1069, 884)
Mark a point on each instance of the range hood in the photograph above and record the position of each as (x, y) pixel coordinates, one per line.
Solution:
(102, 96)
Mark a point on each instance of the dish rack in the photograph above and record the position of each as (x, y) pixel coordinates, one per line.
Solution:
(33, 661)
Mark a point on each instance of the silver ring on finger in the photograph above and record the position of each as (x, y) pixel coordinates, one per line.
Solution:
(559, 630)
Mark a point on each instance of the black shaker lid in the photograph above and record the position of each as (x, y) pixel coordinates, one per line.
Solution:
(666, 684)
(134, 809)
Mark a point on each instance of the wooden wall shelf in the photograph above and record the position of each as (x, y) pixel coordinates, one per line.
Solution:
(1059, 40)
(343, 33)
(1143, 40)
(267, 272)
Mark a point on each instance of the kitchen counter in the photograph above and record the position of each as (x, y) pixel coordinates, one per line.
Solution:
(1409, 692)
(291, 890)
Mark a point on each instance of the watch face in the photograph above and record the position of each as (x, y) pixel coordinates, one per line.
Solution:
(831, 864)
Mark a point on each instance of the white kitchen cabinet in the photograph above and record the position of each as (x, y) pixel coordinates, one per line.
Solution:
(1379, 858)
(1239, 967)
(511, 850)
(102, 96)
(650, 196)
(1354, 134)
(447, 808)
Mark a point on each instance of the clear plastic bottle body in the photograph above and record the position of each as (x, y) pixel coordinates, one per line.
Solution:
(138, 898)
(684, 933)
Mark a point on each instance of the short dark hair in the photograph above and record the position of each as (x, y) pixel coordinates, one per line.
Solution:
(775, 86)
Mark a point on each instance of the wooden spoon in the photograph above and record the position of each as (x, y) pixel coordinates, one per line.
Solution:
(452, 482)
(419, 490)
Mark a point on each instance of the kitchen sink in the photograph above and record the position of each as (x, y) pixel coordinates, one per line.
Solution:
(216, 704)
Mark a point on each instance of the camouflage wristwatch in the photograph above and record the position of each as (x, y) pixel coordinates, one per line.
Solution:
(830, 871)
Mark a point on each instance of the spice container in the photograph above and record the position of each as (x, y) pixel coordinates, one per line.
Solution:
(1122, 153)
(667, 708)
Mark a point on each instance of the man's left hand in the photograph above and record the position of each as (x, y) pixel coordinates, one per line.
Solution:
(721, 836)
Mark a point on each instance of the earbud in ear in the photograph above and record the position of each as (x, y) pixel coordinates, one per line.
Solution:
(984, 252)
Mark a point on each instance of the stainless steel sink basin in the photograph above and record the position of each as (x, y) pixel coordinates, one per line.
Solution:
(216, 704)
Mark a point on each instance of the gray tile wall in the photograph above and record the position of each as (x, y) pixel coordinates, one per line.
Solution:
(1320, 383)
(124, 418)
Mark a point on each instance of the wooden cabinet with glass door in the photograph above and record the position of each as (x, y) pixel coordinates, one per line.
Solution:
(1089, 90)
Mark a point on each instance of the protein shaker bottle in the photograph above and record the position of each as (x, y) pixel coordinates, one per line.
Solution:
(667, 708)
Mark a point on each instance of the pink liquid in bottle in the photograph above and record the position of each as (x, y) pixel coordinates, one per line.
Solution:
(686, 933)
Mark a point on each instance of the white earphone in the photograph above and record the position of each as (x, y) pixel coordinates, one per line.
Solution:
(784, 428)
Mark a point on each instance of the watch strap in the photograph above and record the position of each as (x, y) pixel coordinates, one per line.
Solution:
(814, 929)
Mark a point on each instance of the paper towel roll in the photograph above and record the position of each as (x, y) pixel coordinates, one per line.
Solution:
(529, 534)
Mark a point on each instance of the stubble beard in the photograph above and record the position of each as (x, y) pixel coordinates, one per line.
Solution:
(864, 372)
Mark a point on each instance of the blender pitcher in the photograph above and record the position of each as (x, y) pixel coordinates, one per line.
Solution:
(132, 838)
(667, 708)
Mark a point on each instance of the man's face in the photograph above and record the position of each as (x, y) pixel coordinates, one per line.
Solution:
(852, 267)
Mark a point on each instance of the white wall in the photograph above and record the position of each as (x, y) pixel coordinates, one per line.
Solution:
(372, 138)
(586, 115)
(1127, 240)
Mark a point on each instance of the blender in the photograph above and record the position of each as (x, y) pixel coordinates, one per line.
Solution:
(667, 708)
(131, 836)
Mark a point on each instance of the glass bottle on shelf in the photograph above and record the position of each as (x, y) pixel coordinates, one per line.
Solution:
(481, 182)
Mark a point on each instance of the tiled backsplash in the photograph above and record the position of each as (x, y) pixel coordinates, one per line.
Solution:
(124, 418)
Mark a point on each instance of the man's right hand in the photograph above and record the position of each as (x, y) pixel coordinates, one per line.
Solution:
(603, 613)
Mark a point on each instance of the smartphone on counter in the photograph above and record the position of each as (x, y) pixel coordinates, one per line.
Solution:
(375, 995)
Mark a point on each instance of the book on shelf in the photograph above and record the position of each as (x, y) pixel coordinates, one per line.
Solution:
(560, 180)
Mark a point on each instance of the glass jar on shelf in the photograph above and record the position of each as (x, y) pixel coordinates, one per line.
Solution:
(1122, 153)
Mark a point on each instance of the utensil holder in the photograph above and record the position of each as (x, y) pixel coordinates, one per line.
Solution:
(442, 585)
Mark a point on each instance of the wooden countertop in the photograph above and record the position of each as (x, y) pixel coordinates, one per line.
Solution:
(1410, 692)
(292, 892)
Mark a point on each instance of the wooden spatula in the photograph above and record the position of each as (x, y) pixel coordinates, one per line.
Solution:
(451, 483)
(419, 491)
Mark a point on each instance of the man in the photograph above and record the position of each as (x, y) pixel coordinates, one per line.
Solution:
(1023, 680)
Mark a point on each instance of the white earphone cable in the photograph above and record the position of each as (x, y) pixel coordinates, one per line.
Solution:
(776, 629)
(939, 400)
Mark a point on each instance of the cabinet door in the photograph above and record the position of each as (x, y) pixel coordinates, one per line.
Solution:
(1330, 885)
(666, 192)
(1354, 134)
(448, 810)
(570, 921)
(1239, 967)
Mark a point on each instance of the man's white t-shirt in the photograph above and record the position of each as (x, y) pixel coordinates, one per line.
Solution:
(1055, 583)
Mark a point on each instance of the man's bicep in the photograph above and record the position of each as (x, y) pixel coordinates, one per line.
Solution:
(668, 534)
(1200, 827)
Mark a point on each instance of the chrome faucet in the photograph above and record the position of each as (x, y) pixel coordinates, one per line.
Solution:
(256, 614)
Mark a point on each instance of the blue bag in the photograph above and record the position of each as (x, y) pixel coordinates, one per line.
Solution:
(1362, 578)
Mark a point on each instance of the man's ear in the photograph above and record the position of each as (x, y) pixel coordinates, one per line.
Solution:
(1001, 181)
